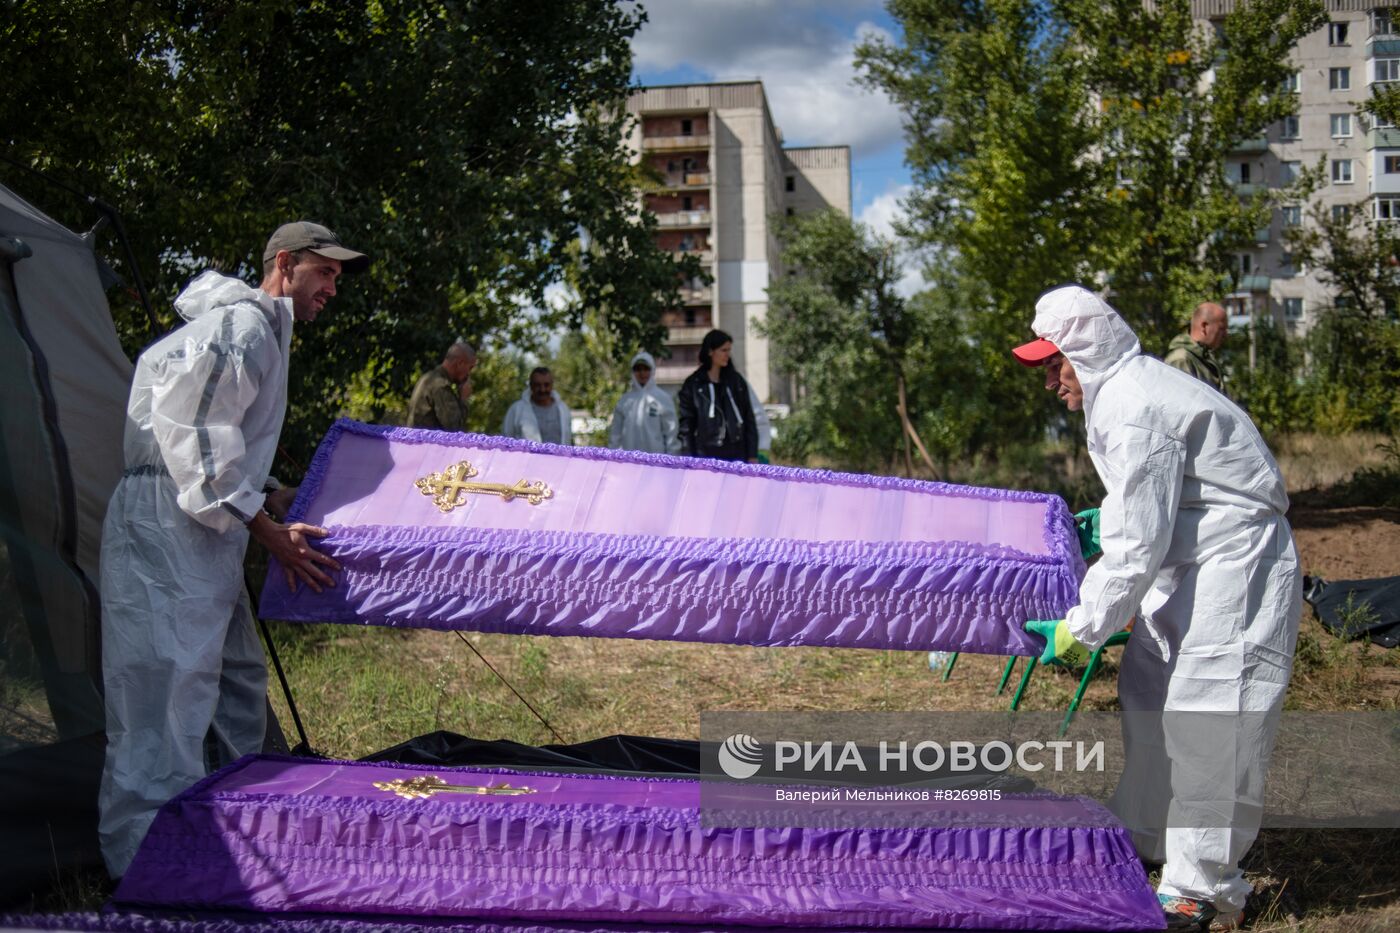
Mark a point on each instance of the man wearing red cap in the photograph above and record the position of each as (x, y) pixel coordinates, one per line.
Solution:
(180, 657)
(1195, 545)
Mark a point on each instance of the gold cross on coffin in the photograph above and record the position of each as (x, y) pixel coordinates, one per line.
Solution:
(426, 785)
(448, 487)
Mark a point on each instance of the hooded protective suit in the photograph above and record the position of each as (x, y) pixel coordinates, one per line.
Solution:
(1196, 544)
(179, 651)
(522, 421)
(645, 416)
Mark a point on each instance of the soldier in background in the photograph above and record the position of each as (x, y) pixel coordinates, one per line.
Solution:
(1194, 352)
(440, 397)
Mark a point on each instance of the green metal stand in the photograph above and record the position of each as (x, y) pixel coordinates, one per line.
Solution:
(948, 668)
(1118, 638)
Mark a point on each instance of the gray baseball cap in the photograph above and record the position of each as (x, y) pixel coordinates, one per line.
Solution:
(303, 234)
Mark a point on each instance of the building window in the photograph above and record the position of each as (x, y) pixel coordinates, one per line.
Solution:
(1337, 33)
(1291, 171)
(1392, 164)
(1290, 128)
(1244, 264)
(1381, 123)
(1388, 208)
(1341, 125)
(1341, 212)
(1293, 82)
(1293, 309)
(1387, 69)
(790, 183)
(1380, 23)
(1341, 171)
(687, 203)
(1242, 173)
(1339, 79)
(1288, 266)
(789, 212)
(687, 127)
(1292, 215)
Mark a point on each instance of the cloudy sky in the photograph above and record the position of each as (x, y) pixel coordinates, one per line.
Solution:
(802, 51)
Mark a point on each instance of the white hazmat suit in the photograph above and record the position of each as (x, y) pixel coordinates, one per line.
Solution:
(521, 420)
(645, 416)
(1195, 543)
(179, 650)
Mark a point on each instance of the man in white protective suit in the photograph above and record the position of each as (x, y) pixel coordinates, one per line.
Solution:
(645, 417)
(180, 658)
(539, 414)
(1195, 544)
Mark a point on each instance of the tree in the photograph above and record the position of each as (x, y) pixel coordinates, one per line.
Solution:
(1352, 351)
(998, 124)
(846, 333)
(468, 146)
(1084, 140)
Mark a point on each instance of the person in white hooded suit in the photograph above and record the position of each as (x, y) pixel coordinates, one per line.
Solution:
(1196, 546)
(180, 656)
(539, 414)
(645, 416)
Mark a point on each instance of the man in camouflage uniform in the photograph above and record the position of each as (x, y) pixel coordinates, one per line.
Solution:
(440, 398)
(1194, 352)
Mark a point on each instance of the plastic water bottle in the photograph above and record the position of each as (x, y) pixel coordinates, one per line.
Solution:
(937, 660)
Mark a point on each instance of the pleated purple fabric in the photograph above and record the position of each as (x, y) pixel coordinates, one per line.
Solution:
(636, 545)
(288, 835)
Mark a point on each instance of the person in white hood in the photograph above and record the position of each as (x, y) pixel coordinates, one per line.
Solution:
(539, 414)
(645, 416)
(1195, 544)
(179, 653)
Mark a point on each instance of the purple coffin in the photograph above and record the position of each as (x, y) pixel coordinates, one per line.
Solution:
(288, 835)
(635, 545)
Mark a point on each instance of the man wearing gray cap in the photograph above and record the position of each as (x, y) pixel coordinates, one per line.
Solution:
(180, 658)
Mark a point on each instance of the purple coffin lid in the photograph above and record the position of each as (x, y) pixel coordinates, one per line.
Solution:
(281, 835)
(637, 545)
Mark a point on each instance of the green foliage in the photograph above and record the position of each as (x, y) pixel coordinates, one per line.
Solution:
(590, 370)
(1076, 140)
(468, 146)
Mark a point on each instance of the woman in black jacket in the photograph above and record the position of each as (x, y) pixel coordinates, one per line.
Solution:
(716, 417)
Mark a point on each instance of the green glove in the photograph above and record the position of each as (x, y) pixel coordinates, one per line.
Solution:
(1060, 646)
(1087, 524)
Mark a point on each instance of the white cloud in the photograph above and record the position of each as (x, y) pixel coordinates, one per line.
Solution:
(802, 50)
(880, 215)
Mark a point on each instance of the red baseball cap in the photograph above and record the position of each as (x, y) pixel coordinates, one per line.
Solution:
(1035, 352)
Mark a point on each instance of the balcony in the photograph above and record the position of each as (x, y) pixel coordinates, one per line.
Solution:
(673, 373)
(1383, 137)
(704, 255)
(1247, 189)
(1383, 47)
(1258, 144)
(688, 334)
(685, 180)
(1252, 283)
(683, 219)
(675, 142)
(697, 296)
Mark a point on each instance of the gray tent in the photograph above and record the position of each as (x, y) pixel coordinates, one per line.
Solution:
(65, 381)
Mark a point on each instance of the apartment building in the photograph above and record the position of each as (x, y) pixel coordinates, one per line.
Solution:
(723, 177)
(1337, 68)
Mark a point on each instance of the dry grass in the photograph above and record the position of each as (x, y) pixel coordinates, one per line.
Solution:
(1320, 461)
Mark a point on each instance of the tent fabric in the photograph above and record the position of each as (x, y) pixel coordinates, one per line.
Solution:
(79, 377)
(1358, 608)
(286, 835)
(638, 545)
